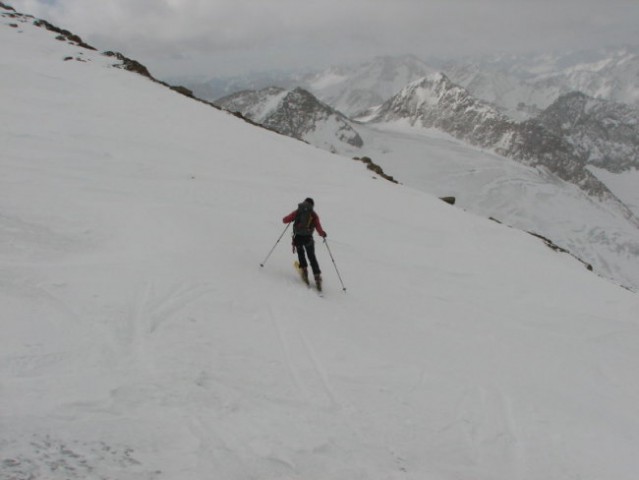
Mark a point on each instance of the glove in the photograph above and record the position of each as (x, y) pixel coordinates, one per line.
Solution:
(323, 235)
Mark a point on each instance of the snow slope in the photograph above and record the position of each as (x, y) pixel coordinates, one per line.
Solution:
(623, 185)
(141, 339)
(526, 198)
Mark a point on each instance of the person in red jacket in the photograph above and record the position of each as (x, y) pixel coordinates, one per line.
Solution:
(305, 221)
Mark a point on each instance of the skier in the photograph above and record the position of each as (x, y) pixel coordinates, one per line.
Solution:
(305, 221)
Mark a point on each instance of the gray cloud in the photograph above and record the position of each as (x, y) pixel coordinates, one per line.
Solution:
(233, 36)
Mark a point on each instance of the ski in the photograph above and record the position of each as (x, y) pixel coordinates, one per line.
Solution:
(305, 279)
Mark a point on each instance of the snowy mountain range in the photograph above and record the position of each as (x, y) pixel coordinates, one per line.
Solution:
(142, 340)
(349, 89)
(519, 85)
(522, 86)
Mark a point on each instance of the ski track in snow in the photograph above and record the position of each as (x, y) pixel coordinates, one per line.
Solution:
(152, 307)
(485, 418)
(303, 365)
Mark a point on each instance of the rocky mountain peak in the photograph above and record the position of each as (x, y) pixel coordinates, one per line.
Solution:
(605, 133)
(436, 102)
(295, 113)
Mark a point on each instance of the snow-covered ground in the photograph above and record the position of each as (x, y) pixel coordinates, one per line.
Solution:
(141, 339)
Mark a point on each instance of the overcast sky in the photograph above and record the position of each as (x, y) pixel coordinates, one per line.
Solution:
(223, 37)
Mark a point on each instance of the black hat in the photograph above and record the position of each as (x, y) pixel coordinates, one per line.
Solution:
(310, 200)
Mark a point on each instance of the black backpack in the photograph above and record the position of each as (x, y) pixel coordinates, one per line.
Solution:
(303, 219)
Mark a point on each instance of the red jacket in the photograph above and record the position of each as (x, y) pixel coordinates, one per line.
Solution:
(315, 222)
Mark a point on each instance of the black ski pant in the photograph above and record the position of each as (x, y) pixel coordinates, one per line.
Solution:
(305, 246)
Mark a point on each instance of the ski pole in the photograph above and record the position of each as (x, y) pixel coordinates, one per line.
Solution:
(278, 241)
(334, 264)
